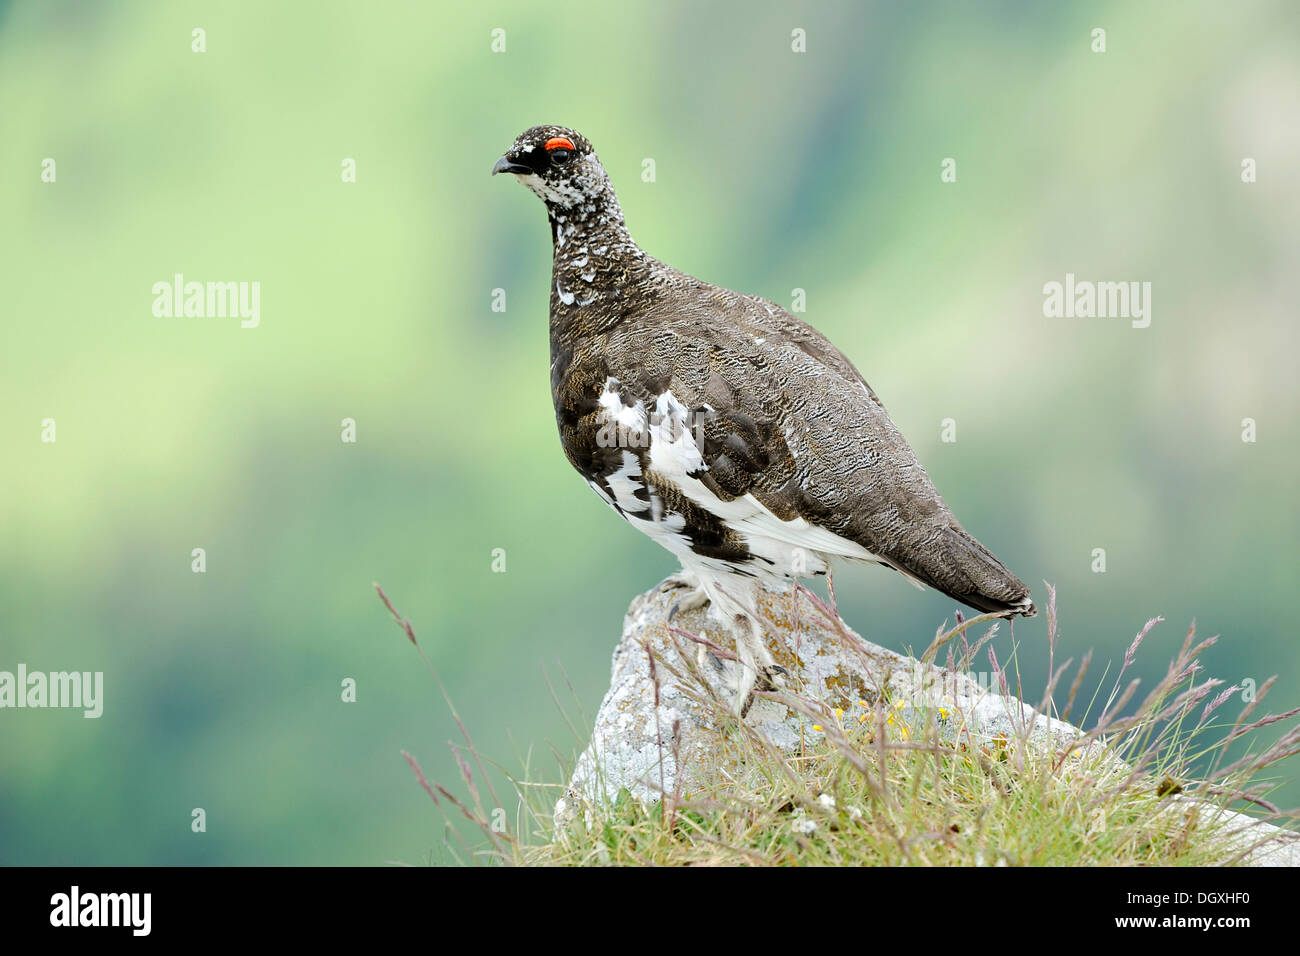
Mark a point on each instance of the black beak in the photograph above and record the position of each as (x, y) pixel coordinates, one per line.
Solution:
(504, 165)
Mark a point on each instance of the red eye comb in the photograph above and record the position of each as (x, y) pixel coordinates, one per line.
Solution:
(558, 142)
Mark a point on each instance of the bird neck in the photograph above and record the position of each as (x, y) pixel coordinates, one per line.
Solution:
(595, 261)
(597, 222)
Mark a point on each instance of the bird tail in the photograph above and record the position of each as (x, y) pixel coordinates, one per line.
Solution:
(966, 571)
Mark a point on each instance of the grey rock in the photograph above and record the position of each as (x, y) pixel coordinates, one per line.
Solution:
(679, 746)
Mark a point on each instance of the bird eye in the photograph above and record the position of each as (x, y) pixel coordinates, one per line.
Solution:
(559, 148)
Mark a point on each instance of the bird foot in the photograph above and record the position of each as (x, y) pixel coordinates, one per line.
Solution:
(770, 677)
(757, 670)
(681, 580)
(687, 602)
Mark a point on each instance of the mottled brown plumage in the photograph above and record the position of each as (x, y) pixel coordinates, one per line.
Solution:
(772, 453)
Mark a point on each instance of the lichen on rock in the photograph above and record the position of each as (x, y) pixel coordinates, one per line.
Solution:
(650, 751)
(667, 725)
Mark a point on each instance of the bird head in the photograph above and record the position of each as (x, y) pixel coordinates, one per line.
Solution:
(557, 164)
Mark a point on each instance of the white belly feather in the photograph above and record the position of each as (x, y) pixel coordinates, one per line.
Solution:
(782, 550)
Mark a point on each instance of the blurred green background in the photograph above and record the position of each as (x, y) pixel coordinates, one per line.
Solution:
(775, 170)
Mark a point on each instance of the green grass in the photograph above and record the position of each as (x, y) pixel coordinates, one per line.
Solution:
(1147, 785)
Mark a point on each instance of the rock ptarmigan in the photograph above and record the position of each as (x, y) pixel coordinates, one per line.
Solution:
(723, 427)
